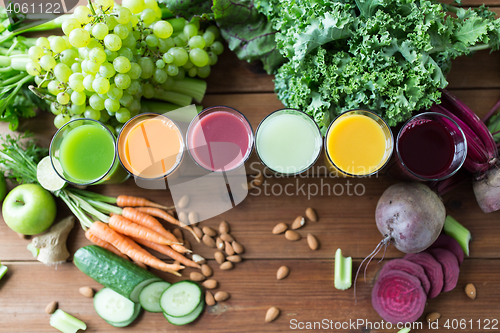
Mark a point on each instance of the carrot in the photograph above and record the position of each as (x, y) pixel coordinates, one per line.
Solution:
(167, 217)
(150, 222)
(140, 264)
(105, 233)
(167, 251)
(129, 201)
(97, 241)
(129, 228)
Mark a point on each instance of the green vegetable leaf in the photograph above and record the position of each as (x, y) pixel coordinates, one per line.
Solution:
(473, 30)
(189, 9)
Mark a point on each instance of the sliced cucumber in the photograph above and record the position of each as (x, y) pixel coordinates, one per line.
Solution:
(181, 298)
(113, 272)
(186, 319)
(112, 306)
(137, 312)
(150, 296)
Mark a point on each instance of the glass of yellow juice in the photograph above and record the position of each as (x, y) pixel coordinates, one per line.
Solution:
(358, 143)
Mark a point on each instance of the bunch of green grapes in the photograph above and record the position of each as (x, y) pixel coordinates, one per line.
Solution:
(111, 56)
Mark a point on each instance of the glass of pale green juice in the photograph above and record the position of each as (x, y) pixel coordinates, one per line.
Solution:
(83, 152)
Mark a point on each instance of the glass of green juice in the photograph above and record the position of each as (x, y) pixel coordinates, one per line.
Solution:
(288, 141)
(83, 152)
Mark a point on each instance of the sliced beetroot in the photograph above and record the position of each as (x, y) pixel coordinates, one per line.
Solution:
(449, 243)
(451, 270)
(432, 269)
(398, 297)
(410, 268)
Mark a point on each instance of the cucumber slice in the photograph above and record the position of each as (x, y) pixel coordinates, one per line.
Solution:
(112, 306)
(150, 296)
(181, 298)
(186, 319)
(113, 272)
(137, 312)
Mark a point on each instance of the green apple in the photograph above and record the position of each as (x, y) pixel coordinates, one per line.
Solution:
(29, 209)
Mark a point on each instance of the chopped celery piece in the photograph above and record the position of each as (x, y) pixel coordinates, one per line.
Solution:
(404, 330)
(34, 251)
(3, 270)
(65, 322)
(343, 271)
(454, 229)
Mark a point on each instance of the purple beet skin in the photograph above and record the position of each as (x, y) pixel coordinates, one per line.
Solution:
(432, 269)
(449, 243)
(450, 266)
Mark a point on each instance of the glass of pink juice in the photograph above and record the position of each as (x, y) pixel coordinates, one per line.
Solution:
(220, 138)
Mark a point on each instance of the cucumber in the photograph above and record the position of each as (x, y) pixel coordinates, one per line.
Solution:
(112, 306)
(150, 296)
(113, 272)
(137, 312)
(186, 319)
(181, 298)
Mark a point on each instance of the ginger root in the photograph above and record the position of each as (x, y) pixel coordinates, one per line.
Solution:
(52, 244)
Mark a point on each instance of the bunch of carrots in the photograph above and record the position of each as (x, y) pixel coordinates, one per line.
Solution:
(121, 229)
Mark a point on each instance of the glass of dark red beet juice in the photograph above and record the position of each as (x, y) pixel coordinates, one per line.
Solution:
(430, 146)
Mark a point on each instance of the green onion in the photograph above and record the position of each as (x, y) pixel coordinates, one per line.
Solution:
(343, 271)
(454, 229)
(65, 322)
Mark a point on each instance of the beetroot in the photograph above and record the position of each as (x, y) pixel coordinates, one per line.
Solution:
(432, 269)
(398, 297)
(410, 268)
(450, 266)
(487, 190)
(449, 243)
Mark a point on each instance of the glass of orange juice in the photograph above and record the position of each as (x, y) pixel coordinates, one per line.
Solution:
(358, 143)
(151, 146)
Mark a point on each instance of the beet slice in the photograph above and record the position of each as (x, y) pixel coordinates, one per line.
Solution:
(410, 268)
(432, 269)
(398, 297)
(449, 243)
(451, 270)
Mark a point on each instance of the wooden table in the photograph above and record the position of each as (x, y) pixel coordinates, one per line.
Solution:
(307, 295)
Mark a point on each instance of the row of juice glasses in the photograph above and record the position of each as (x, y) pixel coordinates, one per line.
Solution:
(429, 146)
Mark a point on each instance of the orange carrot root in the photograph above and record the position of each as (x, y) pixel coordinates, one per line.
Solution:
(129, 228)
(99, 242)
(129, 201)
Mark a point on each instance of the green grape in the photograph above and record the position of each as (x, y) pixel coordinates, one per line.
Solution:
(135, 6)
(209, 38)
(92, 113)
(76, 67)
(136, 34)
(82, 14)
(126, 99)
(105, 4)
(97, 55)
(135, 71)
(115, 92)
(214, 30)
(111, 105)
(168, 58)
(217, 47)
(77, 109)
(83, 53)
(122, 115)
(121, 31)
(134, 88)
(148, 16)
(104, 96)
(47, 62)
(148, 90)
(192, 72)
(62, 72)
(121, 64)
(134, 20)
(147, 67)
(87, 82)
(129, 41)
(107, 70)
(122, 81)
(160, 63)
(56, 108)
(66, 41)
(75, 117)
(199, 57)
(135, 107)
(167, 85)
(68, 56)
(92, 67)
(179, 42)
(54, 87)
(63, 98)
(190, 30)
(196, 42)
(188, 65)
(79, 37)
(112, 42)
(164, 44)
(172, 70)
(163, 29)
(60, 120)
(104, 117)
(33, 68)
(96, 102)
(127, 53)
(111, 22)
(180, 56)
(84, 66)
(151, 40)
(110, 55)
(123, 15)
(213, 58)
(181, 74)
(151, 4)
(99, 31)
(100, 85)
(78, 98)
(35, 53)
(88, 28)
(40, 81)
(204, 71)
(93, 44)
(42, 43)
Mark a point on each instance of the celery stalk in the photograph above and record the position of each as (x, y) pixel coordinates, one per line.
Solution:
(404, 330)
(34, 251)
(65, 322)
(195, 88)
(454, 229)
(173, 97)
(343, 271)
(3, 270)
